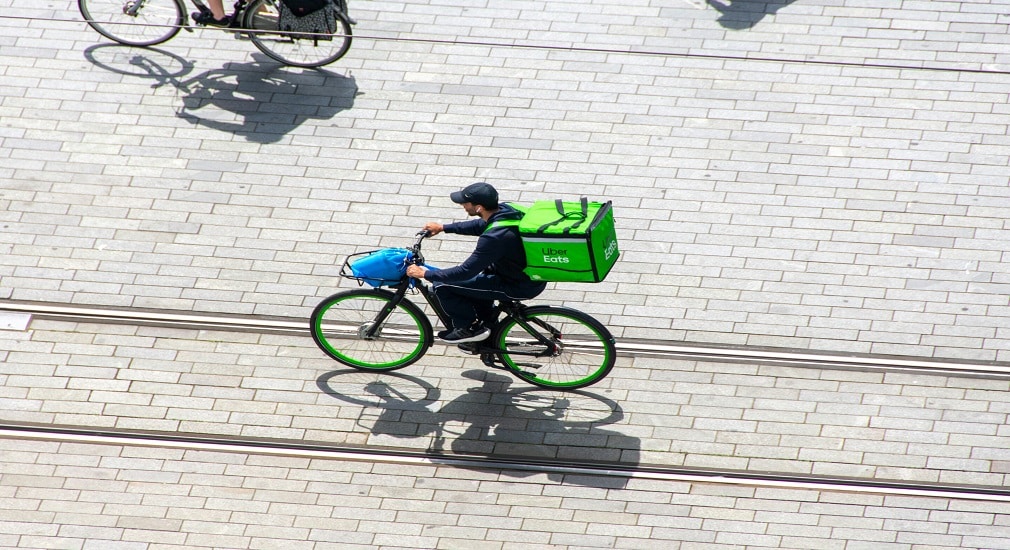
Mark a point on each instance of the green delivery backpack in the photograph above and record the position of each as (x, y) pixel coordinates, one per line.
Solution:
(567, 241)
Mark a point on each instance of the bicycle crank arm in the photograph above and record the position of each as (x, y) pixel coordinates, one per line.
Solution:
(529, 365)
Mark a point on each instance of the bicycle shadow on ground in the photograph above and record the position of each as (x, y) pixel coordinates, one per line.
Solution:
(260, 100)
(148, 63)
(497, 421)
(744, 14)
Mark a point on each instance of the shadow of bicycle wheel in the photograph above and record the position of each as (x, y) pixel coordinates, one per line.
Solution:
(491, 420)
(154, 63)
(258, 100)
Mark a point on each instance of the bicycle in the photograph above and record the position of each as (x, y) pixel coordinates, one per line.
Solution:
(381, 330)
(150, 22)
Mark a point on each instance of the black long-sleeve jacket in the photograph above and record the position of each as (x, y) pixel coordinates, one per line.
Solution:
(499, 249)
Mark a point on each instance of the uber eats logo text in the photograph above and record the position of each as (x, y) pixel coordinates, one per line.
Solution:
(611, 248)
(555, 255)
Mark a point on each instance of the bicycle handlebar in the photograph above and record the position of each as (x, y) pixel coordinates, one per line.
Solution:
(420, 236)
(416, 248)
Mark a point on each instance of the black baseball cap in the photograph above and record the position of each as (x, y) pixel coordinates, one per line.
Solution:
(477, 193)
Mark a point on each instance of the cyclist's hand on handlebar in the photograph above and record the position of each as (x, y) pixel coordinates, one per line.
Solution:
(433, 228)
(415, 271)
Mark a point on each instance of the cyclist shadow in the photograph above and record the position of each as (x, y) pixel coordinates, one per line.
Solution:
(500, 422)
(260, 101)
(744, 14)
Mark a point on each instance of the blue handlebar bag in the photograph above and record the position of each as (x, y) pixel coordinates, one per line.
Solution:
(385, 267)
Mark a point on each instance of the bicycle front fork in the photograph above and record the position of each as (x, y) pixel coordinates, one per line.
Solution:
(429, 296)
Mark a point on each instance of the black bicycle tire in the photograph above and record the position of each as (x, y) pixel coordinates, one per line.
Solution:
(605, 337)
(180, 9)
(342, 20)
(426, 336)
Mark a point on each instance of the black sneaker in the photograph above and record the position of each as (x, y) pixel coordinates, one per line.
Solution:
(207, 18)
(463, 335)
(489, 324)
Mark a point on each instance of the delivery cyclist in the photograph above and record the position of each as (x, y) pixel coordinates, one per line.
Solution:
(494, 271)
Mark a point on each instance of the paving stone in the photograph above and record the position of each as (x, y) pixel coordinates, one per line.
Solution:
(774, 203)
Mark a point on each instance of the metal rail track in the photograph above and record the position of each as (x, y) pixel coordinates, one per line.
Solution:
(28, 310)
(19, 315)
(567, 467)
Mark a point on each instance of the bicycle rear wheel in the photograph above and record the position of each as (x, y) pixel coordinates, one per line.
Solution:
(339, 325)
(134, 22)
(583, 354)
(262, 17)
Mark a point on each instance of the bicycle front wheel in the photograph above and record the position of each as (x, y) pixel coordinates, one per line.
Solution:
(581, 353)
(263, 18)
(340, 326)
(134, 22)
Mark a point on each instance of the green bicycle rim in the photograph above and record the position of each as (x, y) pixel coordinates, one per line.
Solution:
(317, 328)
(594, 376)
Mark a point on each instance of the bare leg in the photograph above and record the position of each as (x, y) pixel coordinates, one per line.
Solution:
(216, 8)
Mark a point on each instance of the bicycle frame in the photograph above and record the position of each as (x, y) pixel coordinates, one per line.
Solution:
(381, 329)
(511, 309)
(240, 6)
(131, 8)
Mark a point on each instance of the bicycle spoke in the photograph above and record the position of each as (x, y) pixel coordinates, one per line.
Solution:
(342, 326)
(133, 22)
(582, 353)
(300, 50)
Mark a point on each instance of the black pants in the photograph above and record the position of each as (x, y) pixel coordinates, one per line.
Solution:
(473, 299)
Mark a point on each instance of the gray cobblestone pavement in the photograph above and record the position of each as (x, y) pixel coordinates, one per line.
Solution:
(823, 204)
(649, 411)
(96, 496)
(816, 174)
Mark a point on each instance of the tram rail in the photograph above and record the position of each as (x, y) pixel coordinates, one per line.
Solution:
(279, 325)
(255, 446)
(15, 315)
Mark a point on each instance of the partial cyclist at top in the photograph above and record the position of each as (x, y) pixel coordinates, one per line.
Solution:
(300, 33)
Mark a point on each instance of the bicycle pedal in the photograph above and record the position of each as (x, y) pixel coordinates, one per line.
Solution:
(488, 360)
(468, 348)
